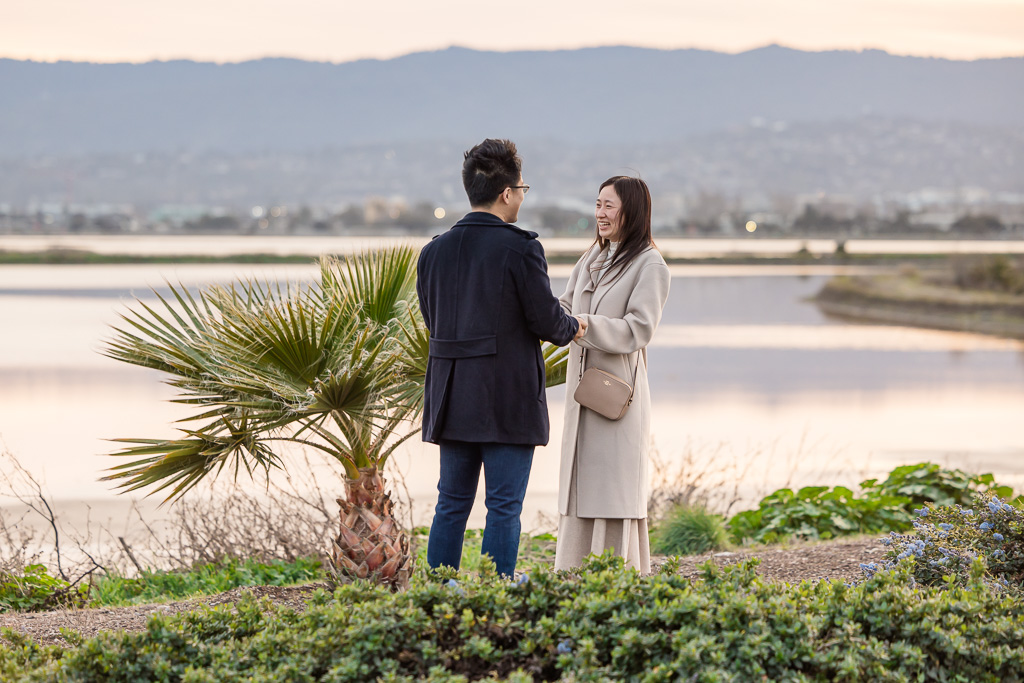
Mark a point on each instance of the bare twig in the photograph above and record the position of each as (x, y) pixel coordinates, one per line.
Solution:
(16, 539)
(293, 517)
(17, 480)
(720, 481)
(129, 553)
(52, 519)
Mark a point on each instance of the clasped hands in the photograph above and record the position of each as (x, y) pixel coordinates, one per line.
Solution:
(583, 328)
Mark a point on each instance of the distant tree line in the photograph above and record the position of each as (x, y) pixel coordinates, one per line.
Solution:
(707, 219)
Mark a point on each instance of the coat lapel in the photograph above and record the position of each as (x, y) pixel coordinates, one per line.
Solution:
(589, 280)
(594, 255)
(603, 286)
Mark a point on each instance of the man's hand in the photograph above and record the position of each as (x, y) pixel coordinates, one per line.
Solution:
(583, 328)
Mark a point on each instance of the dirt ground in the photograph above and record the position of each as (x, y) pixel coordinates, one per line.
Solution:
(45, 627)
(827, 560)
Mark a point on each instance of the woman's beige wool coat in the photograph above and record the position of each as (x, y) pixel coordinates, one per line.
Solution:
(622, 310)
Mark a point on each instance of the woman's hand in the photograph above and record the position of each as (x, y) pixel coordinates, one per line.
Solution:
(583, 328)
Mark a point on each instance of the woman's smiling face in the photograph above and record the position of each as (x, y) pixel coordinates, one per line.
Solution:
(606, 211)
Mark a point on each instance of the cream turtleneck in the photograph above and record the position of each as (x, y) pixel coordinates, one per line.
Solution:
(612, 246)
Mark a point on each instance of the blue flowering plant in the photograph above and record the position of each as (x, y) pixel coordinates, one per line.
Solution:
(948, 543)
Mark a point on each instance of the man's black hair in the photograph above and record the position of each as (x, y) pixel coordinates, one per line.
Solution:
(488, 169)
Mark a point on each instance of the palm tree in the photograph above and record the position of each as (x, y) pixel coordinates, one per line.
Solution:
(337, 366)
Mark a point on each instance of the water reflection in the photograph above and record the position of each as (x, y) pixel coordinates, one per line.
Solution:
(836, 337)
(743, 367)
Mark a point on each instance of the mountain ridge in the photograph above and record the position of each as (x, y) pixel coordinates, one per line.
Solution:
(769, 47)
(616, 94)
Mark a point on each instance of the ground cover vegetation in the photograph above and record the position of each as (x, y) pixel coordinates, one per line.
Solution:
(203, 579)
(35, 589)
(600, 623)
(915, 617)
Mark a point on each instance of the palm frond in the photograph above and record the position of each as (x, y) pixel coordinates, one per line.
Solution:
(337, 366)
(414, 340)
(375, 285)
(183, 463)
(556, 364)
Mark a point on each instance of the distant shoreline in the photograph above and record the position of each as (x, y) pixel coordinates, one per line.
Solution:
(56, 257)
(67, 256)
(305, 249)
(898, 300)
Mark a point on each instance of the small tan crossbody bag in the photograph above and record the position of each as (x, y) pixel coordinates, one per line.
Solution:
(603, 392)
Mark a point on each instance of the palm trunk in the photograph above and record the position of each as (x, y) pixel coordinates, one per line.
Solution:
(371, 543)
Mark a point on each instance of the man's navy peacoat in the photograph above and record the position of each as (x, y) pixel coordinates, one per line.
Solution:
(486, 299)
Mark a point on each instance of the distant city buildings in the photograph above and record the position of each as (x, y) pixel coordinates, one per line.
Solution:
(678, 214)
(864, 176)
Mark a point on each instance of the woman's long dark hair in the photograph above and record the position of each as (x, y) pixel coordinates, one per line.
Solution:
(634, 221)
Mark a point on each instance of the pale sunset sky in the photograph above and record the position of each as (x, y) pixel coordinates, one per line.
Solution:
(343, 30)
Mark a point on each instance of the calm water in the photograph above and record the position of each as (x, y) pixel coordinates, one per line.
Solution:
(748, 379)
(314, 245)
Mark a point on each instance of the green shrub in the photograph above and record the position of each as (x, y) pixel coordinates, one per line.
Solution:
(927, 482)
(998, 273)
(688, 530)
(34, 589)
(821, 512)
(539, 548)
(203, 579)
(818, 512)
(600, 623)
(950, 543)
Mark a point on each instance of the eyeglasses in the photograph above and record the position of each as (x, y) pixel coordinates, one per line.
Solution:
(524, 188)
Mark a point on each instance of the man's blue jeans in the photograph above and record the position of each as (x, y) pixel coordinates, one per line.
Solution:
(506, 473)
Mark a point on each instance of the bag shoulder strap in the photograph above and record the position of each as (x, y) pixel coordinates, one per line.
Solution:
(636, 367)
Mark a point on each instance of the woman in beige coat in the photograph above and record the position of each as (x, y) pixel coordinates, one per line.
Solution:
(619, 287)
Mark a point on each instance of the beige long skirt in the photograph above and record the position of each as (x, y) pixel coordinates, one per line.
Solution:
(582, 536)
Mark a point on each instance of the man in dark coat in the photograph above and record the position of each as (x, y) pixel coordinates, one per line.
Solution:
(486, 298)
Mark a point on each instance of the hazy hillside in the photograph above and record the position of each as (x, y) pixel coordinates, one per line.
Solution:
(865, 157)
(598, 95)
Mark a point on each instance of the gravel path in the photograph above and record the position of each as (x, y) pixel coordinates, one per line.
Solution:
(44, 627)
(824, 560)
